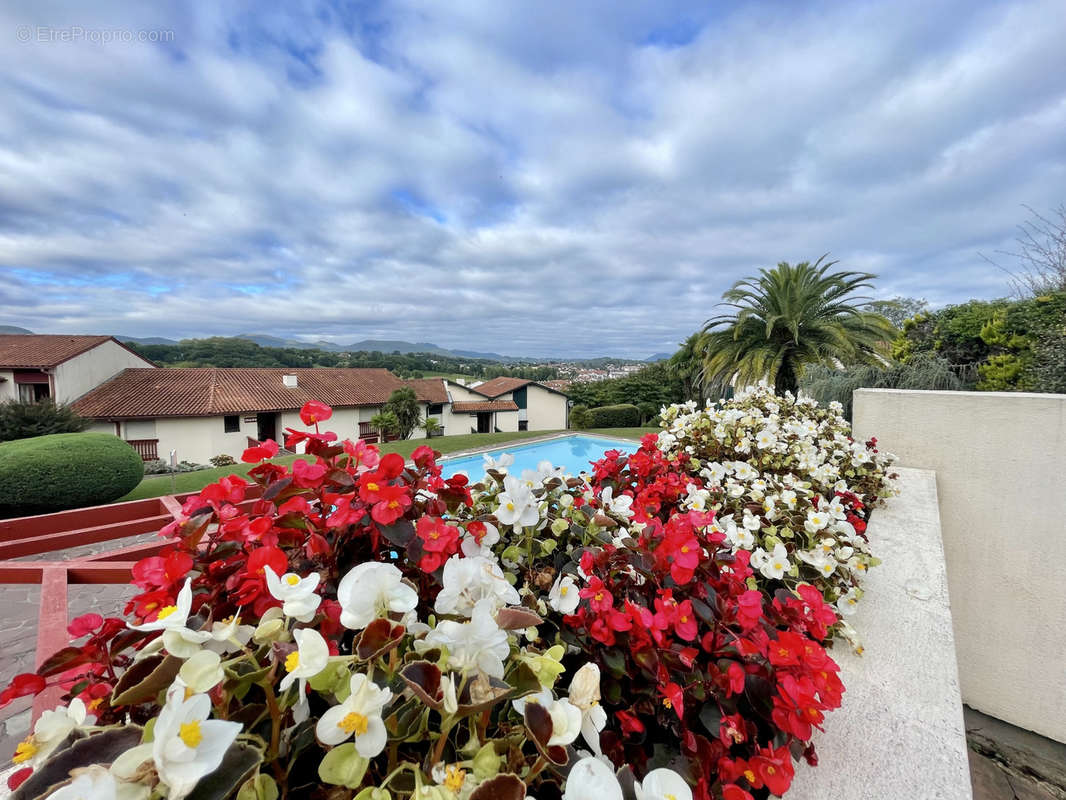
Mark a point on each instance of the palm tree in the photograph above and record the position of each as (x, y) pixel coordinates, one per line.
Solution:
(788, 317)
(687, 365)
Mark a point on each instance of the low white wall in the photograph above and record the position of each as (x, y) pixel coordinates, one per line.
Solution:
(899, 733)
(1000, 462)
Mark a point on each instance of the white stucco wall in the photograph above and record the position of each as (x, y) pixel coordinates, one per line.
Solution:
(77, 376)
(546, 410)
(8, 389)
(1000, 462)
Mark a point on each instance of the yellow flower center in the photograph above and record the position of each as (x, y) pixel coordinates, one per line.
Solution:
(190, 733)
(292, 661)
(749, 775)
(778, 565)
(292, 580)
(684, 548)
(26, 750)
(454, 779)
(166, 611)
(510, 506)
(670, 797)
(373, 487)
(563, 590)
(684, 618)
(353, 723)
(667, 703)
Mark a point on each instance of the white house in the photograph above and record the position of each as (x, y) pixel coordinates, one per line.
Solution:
(36, 367)
(204, 412)
(537, 407)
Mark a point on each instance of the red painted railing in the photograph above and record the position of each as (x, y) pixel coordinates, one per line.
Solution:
(47, 533)
(147, 449)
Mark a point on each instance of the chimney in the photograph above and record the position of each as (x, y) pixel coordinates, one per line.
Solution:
(291, 381)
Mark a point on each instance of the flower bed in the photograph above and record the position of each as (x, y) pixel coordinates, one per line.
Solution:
(655, 628)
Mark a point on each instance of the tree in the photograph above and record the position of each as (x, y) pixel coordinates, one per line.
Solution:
(788, 317)
(20, 420)
(403, 404)
(431, 426)
(687, 365)
(899, 309)
(386, 422)
(1039, 254)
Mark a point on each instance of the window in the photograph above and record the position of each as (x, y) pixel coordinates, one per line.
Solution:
(435, 408)
(232, 424)
(523, 424)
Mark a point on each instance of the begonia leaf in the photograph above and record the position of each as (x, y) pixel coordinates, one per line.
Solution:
(343, 766)
(145, 679)
(507, 786)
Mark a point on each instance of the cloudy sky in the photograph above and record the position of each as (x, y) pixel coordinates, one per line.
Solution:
(544, 178)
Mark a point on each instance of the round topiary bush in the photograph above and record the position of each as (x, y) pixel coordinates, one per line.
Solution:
(65, 470)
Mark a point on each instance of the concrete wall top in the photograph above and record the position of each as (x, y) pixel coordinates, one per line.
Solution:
(899, 733)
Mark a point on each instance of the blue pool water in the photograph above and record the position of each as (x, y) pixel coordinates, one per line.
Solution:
(575, 453)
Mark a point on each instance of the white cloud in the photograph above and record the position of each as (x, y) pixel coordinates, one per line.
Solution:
(540, 178)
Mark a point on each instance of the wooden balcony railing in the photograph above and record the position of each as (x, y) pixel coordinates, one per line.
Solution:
(367, 433)
(147, 449)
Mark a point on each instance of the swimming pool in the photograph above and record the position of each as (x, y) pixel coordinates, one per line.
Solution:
(575, 453)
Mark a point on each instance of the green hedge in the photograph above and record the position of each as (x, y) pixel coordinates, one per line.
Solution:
(624, 415)
(65, 470)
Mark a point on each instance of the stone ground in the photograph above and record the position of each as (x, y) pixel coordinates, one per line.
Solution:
(18, 628)
(1008, 763)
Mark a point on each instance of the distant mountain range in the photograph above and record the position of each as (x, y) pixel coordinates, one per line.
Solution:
(658, 357)
(368, 345)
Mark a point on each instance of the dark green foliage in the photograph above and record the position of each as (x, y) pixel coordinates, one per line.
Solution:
(899, 309)
(655, 384)
(787, 318)
(386, 422)
(648, 412)
(1049, 361)
(223, 351)
(65, 470)
(26, 420)
(579, 417)
(403, 404)
(998, 340)
(687, 366)
(923, 371)
(623, 415)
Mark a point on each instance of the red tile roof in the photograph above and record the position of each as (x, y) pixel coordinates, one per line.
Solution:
(559, 385)
(498, 386)
(40, 351)
(484, 405)
(211, 391)
(429, 390)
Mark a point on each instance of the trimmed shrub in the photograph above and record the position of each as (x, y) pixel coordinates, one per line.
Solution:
(65, 470)
(624, 415)
(579, 417)
(20, 420)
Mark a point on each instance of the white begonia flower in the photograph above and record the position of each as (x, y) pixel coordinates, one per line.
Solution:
(186, 744)
(478, 644)
(565, 716)
(592, 779)
(229, 634)
(202, 672)
(765, 438)
(663, 784)
(776, 563)
(848, 603)
(358, 716)
(585, 694)
(820, 560)
(178, 639)
(51, 728)
(620, 505)
(751, 522)
(714, 472)
(468, 580)
(499, 464)
(517, 505)
(371, 590)
(564, 597)
(297, 595)
(97, 783)
(788, 497)
(816, 521)
(471, 547)
(743, 538)
(308, 659)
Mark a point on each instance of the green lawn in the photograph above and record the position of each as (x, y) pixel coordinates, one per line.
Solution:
(158, 485)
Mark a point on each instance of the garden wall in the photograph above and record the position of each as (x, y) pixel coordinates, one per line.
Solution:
(1000, 462)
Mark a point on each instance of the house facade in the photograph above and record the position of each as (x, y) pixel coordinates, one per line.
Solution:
(203, 412)
(539, 407)
(62, 368)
